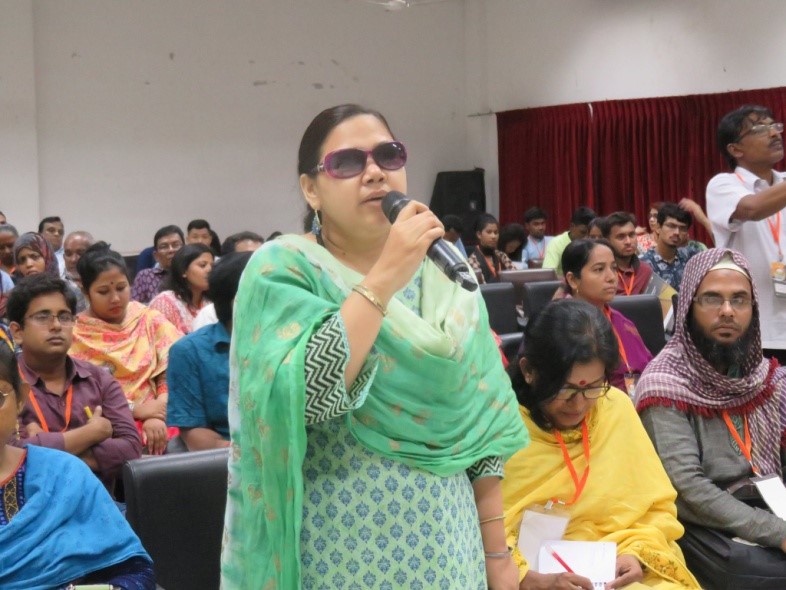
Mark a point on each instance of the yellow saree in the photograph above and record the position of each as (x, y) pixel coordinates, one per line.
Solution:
(628, 498)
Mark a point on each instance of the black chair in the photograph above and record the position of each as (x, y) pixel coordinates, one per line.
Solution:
(500, 299)
(645, 311)
(537, 296)
(175, 504)
(519, 278)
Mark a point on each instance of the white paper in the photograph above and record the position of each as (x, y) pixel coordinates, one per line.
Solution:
(773, 491)
(593, 560)
(537, 528)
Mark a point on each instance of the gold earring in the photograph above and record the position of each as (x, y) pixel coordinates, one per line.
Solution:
(18, 435)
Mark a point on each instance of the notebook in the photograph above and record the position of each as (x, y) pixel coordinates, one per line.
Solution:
(596, 561)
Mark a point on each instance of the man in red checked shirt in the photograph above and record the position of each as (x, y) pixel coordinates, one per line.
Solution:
(634, 275)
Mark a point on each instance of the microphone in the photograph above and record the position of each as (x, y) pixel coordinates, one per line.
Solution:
(440, 253)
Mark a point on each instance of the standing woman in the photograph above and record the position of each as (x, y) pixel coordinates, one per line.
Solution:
(185, 286)
(591, 275)
(127, 338)
(485, 257)
(369, 411)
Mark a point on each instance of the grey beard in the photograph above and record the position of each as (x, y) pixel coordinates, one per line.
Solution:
(721, 355)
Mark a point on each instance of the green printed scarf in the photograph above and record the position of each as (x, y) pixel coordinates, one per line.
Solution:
(440, 399)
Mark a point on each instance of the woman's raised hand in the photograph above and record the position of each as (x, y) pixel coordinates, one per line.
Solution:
(414, 230)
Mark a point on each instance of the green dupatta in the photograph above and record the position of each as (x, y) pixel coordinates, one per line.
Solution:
(440, 399)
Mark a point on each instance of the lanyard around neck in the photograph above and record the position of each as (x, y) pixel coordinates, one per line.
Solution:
(746, 446)
(627, 287)
(621, 346)
(40, 415)
(578, 483)
(540, 251)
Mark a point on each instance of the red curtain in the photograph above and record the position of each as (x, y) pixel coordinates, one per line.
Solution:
(545, 159)
(615, 155)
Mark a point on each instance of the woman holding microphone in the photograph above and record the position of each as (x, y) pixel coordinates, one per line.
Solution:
(369, 410)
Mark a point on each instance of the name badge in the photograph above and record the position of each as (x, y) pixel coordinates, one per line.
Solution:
(538, 525)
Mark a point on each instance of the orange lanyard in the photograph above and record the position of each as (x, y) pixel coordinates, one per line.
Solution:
(578, 483)
(623, 354)
(746, 446)
(628, 288)
(775, 228)
(37, 408)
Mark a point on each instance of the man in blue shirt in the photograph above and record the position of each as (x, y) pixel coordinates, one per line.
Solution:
(198, 371)
(667, 259)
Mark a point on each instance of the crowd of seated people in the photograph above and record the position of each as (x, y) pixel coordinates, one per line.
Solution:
(97, 370)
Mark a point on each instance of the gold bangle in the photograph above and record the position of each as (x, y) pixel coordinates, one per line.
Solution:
(492, 519)
(373, 299)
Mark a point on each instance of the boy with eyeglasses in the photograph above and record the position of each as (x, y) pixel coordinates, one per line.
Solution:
(667, 258)
(72, 405)
(746, 206)
(147, 283)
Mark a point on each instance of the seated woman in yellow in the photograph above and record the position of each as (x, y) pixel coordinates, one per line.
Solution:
(590, 455)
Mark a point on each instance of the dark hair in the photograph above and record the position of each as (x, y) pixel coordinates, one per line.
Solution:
(584, 335)
(600, 223)
(9, 371)
(175, 281)
(223, 282)
(534, 213)
(274, 235)
(485, 219)
(582, 216)
(98, 258)
(576, 255)
(675, 212)
(511, 232)
(452, 222)
(657, 205)
(8, 228)
(215, 243)
(615, 219)
(320, 127)
(166, 231)
(197, 224)
(230, 243)
(29, 288)
(50, 219)
(732, 124)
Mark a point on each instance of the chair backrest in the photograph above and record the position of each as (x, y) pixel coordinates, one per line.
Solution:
(645, 311)
(175, 504)
(537, 296)
(500, 301)
(519, 278)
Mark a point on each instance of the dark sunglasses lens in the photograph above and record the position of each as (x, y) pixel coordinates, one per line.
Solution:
(390, 156)
(345, 163)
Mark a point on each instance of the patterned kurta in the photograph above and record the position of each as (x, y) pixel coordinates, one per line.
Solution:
(369, 521)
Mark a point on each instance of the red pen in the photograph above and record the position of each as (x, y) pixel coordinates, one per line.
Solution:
(561, 561)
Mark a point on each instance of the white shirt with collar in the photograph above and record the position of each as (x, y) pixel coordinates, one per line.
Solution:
(754, 240)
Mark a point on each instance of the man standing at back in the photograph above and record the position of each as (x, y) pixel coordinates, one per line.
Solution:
(620, 230)
(746, 211)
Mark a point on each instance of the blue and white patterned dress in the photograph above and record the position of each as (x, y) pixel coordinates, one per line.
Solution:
(370, 521)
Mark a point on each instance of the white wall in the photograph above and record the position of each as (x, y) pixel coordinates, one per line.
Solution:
(18, 142)
(159, 111)
(546, 52)
(122, 116)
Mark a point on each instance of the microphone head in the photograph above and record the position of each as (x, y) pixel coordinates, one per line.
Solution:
(392, 203)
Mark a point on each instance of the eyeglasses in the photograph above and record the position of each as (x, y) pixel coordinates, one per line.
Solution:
(349, 162)
(592, 392)
(44, 318)
(683, 229)
(164, 246)
(762, 129)
(714, 302)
